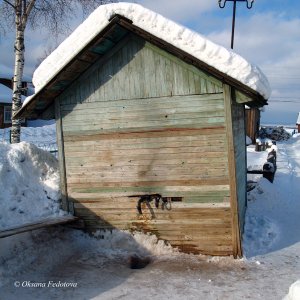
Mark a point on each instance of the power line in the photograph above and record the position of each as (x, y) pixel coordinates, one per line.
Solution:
(284, 101)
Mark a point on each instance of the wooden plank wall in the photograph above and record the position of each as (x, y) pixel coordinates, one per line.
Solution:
(145, 122)
(139, 70)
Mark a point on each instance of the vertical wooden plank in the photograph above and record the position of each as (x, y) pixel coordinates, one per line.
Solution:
(61, 158)
(158, 74)
(169, 77)
(163, 71)
(191, 83)
(203, 86)
(125, 70)
(236, 236)
(210, 88)
(197, 84)
(141, 70)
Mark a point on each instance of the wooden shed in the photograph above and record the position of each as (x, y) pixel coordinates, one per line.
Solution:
(137, 115)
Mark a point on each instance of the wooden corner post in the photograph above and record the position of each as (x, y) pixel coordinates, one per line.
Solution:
(236, 234)
(61, 159)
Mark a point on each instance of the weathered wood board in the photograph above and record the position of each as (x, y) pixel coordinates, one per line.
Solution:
(37, 225)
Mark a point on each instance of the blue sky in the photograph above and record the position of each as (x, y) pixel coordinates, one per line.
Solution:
(267, 35)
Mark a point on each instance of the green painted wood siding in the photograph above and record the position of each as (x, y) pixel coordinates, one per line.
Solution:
(139, 70)
(169, 139)
(142, 121)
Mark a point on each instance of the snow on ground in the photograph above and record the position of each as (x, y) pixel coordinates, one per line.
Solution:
(29, 184)
(63, 263)
(42, 136)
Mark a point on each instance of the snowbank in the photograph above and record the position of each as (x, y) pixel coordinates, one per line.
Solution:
(29, 184)
(185, 39)
(272, 216)
(294, 291)
(43, 136)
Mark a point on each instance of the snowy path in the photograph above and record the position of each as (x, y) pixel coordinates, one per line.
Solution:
(101, 270)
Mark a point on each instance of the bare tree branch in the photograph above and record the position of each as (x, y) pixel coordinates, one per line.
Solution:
(6, 1)
(26, 11)
(49, 14)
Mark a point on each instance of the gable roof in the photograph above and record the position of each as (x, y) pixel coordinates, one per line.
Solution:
(108, 24)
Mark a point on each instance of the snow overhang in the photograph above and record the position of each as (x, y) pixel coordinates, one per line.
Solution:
(116, 28)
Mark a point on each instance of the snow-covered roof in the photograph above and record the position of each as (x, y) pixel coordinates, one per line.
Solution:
(183, 38)
(298, 119)
(224, 64)
(5, 94)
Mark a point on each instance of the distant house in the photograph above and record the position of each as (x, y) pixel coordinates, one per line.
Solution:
(5, 106)
(6, 101)
(145, 106)
(252, 115)
(298, 122)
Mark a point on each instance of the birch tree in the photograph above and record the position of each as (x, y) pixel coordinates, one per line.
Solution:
(49, 14)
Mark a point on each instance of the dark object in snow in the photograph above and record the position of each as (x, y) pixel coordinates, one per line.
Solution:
(137, 262)
(251, 185)
(274, 133)
(272, 158)
(269, 171)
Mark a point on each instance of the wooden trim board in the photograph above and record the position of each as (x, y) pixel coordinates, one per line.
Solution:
(37, 225)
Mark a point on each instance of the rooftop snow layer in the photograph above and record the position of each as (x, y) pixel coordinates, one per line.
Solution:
(5, 94)
(185, 39)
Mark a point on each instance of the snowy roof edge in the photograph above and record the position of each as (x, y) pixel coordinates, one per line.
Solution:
(181, 37)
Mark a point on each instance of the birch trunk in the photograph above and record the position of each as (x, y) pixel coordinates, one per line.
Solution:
(22, 10)
(18, 73)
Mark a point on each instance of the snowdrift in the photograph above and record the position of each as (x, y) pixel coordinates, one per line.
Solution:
(29, 185)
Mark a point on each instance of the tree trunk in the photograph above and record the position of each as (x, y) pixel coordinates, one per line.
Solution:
(18, 73)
